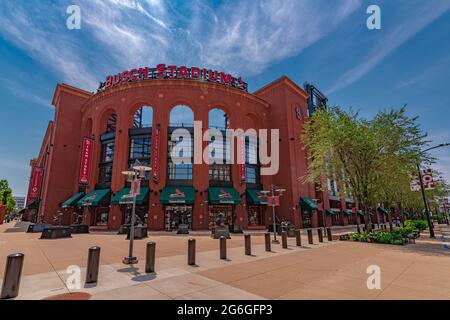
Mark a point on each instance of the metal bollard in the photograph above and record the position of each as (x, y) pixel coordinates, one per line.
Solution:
(284, 239)
(93, 265)
(11, 279)
(320, 234)
(248, 245)
(267, 239)
(373, 226)
(223, 248)
(330, 236)
(191, 252)
(150, 258)
(310, 237)
(298, 238)
(358, 229)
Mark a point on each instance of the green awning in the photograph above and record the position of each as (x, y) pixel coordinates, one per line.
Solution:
(332, 211)
(122, 197)
(360, 212)
(185, 195)
(222, 195)
(308, 202)
(348, 212)
(382, 210)
(72, 201)
(255, 196)
(95, 197)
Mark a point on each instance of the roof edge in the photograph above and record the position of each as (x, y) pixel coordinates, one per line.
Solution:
(62, 87)
(282, 80)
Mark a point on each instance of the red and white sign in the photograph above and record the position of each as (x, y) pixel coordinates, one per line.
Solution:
(35, 184)
(427, 178)
(242, 173)
(163, 71)
(155, 154)
(273, 201)
(85, 160)
(135, 188)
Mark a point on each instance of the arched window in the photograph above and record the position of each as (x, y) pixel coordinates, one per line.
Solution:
(252, 165)
(107, 140)
(140, 136)
(219, 148)
(143, 117)
(180, 146)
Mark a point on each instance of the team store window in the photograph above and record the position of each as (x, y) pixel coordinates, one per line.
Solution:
(106, 162)
(140, 149)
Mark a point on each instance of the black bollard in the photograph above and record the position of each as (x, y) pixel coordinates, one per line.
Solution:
(298, 238)
(223, 248)
(93, 265)
(191, 252)
(358, 229)
(267, 239)
(330, 236)
(11, 279)
(310, 237)
(248, 245)
(150, 258)
(373, 226)
(284, 239)
(320, 234)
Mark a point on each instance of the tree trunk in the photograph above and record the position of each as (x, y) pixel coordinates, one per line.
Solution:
(366, 219)
(390, 220)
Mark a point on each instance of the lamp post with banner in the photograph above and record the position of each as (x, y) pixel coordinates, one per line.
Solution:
(134, 175)
(275, 194)
(422, 188)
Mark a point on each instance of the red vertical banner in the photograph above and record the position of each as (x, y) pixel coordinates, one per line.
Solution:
(35, 183)
(85, 160)
(242, 159)
(155, 154)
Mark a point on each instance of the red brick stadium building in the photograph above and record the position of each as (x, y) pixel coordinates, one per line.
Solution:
(95, 136)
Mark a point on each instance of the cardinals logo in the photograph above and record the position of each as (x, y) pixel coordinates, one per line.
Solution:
(178, 194)
(224, 195)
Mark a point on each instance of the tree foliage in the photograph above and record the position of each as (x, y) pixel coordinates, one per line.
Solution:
(375, 157)
(6, 196)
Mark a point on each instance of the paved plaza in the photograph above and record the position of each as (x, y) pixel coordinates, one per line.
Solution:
(329, 270)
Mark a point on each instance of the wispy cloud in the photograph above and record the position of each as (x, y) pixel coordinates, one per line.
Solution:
(244, 38)
(404, 31)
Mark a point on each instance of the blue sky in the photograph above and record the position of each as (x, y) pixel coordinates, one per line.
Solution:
(321, 41)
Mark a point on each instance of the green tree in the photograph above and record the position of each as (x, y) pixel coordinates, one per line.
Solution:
(365, 152)
(6, 196)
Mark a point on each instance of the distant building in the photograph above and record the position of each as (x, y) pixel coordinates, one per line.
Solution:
(20, 202)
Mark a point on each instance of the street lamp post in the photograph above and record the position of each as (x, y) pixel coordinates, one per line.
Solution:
(135, 173)
(427, 211)
(280, 193)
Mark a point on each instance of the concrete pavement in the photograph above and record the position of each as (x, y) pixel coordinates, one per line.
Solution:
(336, 270)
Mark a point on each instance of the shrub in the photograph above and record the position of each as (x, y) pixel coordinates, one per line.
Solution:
(417, 224)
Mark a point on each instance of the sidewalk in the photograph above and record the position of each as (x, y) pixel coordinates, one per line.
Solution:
(335, 270)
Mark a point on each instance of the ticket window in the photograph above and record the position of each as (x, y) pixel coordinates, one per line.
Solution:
(101, 216)
(216, 211)
(256, 216)
(176, 215)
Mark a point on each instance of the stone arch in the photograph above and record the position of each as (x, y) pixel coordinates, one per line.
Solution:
(107, 120)
(181, 115)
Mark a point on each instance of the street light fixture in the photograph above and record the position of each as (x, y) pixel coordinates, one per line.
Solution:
(134, 174)
(427, 210)
(273, 189)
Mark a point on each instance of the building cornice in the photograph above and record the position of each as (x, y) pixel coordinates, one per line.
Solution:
(172, 82)
(284, 80)
(62, 87)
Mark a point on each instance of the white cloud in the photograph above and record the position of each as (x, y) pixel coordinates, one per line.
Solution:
(399, 35)
(243, 38)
